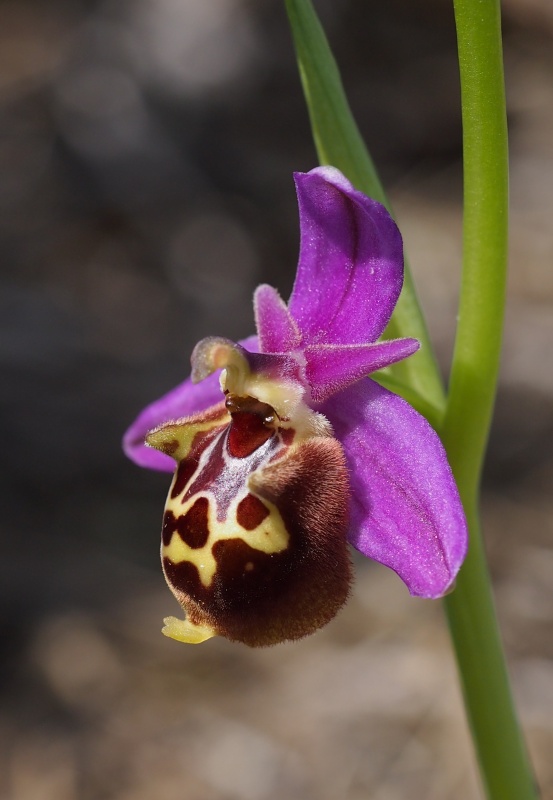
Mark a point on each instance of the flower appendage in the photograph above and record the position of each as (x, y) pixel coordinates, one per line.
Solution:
(286, 451)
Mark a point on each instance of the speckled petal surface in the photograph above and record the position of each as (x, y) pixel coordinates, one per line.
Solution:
(350, 269)
(185, 399)
(405, 508)
(332, 368)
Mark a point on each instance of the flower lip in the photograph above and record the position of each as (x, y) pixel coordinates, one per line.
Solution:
(254, 538)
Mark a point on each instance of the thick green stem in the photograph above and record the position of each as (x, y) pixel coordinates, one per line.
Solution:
(503, 760)
(504, 766)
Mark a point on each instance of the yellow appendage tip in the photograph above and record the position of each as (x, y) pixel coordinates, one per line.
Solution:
(184, 631)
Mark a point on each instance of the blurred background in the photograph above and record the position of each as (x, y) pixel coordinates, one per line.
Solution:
(146, 158)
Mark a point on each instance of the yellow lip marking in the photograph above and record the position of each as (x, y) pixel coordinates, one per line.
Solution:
(270, 536)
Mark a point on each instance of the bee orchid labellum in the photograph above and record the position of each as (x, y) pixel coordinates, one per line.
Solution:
(255, 528)
(286, 452)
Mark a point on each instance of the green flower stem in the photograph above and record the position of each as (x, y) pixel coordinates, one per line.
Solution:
(504, 764)
(340, 144)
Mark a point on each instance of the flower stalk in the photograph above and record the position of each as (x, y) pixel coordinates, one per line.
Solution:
(505, 769)
(504, 763)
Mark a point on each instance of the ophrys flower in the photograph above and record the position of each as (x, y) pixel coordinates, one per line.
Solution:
(286, 451)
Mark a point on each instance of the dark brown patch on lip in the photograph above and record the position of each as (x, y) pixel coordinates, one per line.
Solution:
(246, 577)
(185, 470)
(251, 512)
(193, 527)
(170, 448)
(168, 528)
(184, 580)
(246, 581)
(247, 433)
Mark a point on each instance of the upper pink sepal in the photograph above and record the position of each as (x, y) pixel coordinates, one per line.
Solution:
(350, 269)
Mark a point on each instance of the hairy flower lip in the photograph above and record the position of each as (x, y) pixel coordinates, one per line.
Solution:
(405, 509)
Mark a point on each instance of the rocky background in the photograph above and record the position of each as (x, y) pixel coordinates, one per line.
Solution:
(146, 152)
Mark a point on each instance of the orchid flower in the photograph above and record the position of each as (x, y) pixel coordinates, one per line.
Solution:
(286, 451)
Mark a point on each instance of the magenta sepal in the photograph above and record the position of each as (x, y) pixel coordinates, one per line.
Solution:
(350, 269)
(278, 331)
(330, 368)
(405, 507)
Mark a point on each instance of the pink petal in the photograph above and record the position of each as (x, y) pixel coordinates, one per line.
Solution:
(277, 331)
(350, 269)
(185, 399)
(405, 510)
(331, 368)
